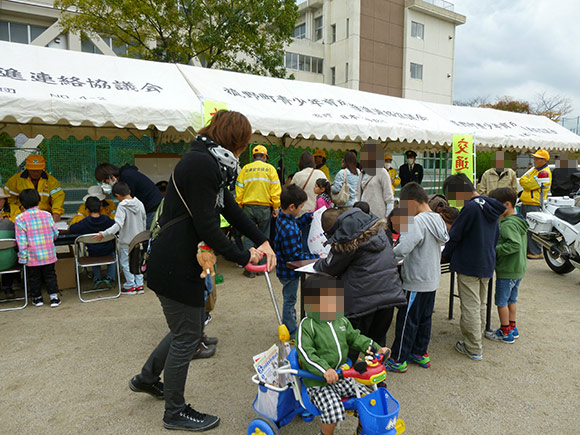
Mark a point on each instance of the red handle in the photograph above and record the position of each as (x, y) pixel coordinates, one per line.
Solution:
(257, 268)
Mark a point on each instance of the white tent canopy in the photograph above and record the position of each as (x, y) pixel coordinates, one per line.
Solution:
(339, 116)
(66, 93)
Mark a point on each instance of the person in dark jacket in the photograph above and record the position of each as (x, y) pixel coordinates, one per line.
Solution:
(471, 249)
(411, 171)
(562, 182)
(362, 257)
(141, 186)
(93, 224)
(173, 272)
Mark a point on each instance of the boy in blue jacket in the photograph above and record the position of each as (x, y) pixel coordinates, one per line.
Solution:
(288, 247)
(471, 249)
(93, 224)
(324, 337)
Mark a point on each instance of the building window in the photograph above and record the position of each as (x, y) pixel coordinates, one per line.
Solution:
(301, 62)
(417, 30)
(119, 48)
(299, 31)
(333, 76)
(21, 33)
(318, 28)
(346, 73)
(333, 33)
(416, 71)
(347, 27)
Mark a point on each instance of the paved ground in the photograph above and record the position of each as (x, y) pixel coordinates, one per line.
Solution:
(65, 370)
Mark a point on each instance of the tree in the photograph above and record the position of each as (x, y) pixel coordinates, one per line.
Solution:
(553, 106)
(240, 35)
(510, 105)
(8, 165)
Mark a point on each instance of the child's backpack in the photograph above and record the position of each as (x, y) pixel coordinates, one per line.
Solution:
(140, 246)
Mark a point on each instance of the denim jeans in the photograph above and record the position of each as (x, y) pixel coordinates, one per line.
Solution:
(173, 354)
(98, 272)
(130, 279)
(506, 291)
(289, 291)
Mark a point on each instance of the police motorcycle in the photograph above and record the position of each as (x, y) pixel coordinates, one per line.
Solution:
(557, 228)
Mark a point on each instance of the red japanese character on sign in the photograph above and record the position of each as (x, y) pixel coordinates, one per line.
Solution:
(462, 145)
(461, 163)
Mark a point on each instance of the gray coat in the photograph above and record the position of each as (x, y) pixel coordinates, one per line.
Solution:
(362, 257)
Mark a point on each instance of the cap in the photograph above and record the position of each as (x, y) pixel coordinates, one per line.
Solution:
(542, 154)
(410, 153)
(388, 156)
(96, 191)
(260, 149)
(319, 153)
(35, 162)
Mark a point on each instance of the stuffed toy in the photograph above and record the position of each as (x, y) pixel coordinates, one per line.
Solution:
(206, 259)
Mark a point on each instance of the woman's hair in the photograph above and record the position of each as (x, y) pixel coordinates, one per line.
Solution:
(449, 214)
(323, 183)
(350, 162)
(306, 160)
(29, 198)
(105, 171)
(232, 130)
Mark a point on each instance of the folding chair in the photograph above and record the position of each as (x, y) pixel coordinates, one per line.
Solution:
(11, 244)
(86, 262)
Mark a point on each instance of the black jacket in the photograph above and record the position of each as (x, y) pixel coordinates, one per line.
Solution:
(172, 269)
(141, 187)
(365, 263)
(408, 176)
(562, 184)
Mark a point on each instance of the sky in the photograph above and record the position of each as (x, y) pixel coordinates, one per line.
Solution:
(518, 48)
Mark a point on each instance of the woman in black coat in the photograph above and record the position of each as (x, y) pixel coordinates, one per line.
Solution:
(202, 177)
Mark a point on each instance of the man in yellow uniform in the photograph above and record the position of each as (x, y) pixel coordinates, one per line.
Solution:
(34, 176)
(395, 179)
(531, 195)
(107, 206)
(258, 193)
(320, 161)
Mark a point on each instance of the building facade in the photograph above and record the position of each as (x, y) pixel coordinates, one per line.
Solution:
(402, 48)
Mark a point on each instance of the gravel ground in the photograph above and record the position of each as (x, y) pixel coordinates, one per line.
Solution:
(65, 370)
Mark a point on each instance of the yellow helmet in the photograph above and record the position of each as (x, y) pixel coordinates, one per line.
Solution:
(260, 149)
(388, 156)
(319, 153)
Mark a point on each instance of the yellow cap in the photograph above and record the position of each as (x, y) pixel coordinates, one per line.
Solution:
(35, 162)
(542, 154)
(388, 156)
(319, 153)
(260, 149)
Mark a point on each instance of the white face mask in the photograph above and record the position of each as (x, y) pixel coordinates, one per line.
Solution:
(410, 161)
(388, 165)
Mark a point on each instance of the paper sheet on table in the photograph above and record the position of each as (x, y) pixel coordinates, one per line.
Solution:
(309, 268)
(62, 225)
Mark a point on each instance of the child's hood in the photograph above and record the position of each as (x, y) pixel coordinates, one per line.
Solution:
(492, 209)
(515, 222)
(356, 229)
(132, 205)
(434, 224)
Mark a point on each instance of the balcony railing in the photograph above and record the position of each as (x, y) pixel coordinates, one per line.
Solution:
(442, 4)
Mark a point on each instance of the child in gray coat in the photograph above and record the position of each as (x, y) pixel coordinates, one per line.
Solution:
(419, 245)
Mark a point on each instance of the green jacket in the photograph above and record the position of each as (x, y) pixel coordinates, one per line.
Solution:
(8, 257)
(324, 345)
(511, 248)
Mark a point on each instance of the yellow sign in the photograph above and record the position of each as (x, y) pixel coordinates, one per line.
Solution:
(463, 155)
(210, 108)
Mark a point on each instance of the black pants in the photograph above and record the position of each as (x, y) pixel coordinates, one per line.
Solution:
(174, 352)
(8, 280)
(39, 274)
(374, 325)
(413, 330)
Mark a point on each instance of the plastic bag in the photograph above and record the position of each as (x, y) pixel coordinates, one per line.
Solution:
(316, 237)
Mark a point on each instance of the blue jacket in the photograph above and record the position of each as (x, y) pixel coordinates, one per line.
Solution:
(473, 236)
(91, 225)
(141, 187)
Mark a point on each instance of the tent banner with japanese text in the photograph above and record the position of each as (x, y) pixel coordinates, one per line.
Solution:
(463, 155)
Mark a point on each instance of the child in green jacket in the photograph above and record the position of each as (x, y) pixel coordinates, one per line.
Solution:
(323, 339)
(510, 266)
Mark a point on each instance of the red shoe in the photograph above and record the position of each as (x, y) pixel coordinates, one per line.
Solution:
(128, 291)
(140, 290)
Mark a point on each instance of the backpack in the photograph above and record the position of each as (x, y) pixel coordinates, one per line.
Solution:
(140, 246)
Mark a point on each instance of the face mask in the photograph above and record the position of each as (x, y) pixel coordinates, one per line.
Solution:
(410, 161)
(388, 165)
(113, 180)
(107, 188)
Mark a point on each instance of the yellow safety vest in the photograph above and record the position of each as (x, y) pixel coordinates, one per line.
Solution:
(258, 184)
(51, 194)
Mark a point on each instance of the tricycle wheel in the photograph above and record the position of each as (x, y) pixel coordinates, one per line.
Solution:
(262, 426)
